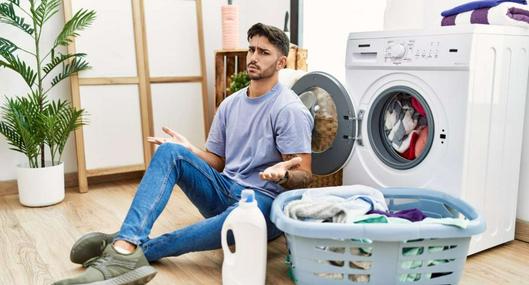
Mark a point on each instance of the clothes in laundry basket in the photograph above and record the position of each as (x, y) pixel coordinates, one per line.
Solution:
(355, 204)
(413, 215)
(382, 219)
(359, 250)
(375, 217)
(337, 205)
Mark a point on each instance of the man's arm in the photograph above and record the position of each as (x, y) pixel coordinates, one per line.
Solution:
(294, 172)
(210, 158)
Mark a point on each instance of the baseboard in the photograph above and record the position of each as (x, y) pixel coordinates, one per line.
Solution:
(522, 230)
(9, 187)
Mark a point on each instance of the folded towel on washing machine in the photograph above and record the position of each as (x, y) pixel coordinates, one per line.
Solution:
(506, 14)
(336, 204)
(474, 5)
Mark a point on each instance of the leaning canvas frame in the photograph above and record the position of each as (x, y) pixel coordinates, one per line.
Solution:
(143, 124)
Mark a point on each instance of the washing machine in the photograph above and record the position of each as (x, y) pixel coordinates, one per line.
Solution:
(440, 109)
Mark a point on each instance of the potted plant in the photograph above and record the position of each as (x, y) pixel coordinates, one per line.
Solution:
(238, 81)
(34, 124)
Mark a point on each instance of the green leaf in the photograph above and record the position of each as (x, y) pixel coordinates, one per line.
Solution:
(13, 138)
(60, 119)
(79, 21)
(19, 66)
(9, 16)
(238, 81)
(76, 65)
(45, 11)
(21, 125)
(7, 46)
(15, 2)
(4, 64)
(60, 58)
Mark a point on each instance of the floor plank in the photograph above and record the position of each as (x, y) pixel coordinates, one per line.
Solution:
(35, 242)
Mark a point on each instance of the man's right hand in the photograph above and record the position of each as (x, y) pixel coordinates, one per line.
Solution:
(174, 137)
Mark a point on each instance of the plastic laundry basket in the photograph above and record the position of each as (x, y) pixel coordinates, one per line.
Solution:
(382, 254)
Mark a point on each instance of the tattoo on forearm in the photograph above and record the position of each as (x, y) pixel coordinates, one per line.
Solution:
(297, 178)
(289, 156)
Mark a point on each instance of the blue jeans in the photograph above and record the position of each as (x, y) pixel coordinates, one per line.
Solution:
(214, 194)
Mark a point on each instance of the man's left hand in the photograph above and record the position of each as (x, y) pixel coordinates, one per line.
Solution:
(276, 172)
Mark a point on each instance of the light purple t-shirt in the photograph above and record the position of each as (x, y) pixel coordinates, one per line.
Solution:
(252, 133)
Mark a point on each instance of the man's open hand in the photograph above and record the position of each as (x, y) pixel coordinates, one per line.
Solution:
(277, 172)
(174, 137)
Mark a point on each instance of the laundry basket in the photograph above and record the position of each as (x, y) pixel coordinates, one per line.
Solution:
(382, 254)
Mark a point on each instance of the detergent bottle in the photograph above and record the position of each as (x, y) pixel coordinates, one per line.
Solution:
(247, 264)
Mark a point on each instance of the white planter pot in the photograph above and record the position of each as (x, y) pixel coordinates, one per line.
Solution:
(40, 186)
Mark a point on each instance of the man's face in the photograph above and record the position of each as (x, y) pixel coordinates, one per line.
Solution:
(262, 60)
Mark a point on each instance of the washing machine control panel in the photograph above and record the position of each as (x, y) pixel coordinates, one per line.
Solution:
(451, 51)
(398, 52)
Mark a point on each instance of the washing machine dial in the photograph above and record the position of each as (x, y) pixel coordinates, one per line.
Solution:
(396, 51)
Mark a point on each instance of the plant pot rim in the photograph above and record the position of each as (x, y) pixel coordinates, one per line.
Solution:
(47, 164)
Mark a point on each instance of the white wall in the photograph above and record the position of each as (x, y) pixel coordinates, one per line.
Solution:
(416, 14)
(326, 27)
(251, 11)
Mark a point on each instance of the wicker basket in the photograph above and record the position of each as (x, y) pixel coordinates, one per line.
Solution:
(328, 180)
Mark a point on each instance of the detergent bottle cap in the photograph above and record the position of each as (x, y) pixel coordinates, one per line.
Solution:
(247, 196)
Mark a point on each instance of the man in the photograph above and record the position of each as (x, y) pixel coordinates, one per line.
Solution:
(259, 139)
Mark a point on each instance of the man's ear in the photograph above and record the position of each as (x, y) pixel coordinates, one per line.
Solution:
(281, 63)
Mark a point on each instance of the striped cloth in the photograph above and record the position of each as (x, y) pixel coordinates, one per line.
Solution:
(509, 14)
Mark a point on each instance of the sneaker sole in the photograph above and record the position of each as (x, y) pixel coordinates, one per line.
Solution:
(81, 245)
(137, 276)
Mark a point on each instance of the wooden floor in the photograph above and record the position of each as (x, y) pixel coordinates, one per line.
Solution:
(35, 242)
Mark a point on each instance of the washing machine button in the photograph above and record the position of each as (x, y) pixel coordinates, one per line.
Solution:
(397, 51)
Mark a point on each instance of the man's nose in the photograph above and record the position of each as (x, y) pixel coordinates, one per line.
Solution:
(253, 57)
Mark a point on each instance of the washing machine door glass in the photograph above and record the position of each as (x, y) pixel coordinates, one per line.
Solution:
(334, 130)
(400, 127)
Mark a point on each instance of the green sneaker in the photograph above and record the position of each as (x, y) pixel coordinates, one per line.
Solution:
(113, 268)
(89, 246)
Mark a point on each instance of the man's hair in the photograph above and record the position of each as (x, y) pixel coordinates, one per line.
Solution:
(274, 35)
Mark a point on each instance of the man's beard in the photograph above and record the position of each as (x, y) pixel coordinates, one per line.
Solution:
(267, 73)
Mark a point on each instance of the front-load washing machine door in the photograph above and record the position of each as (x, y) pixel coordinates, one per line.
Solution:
(335, 124)
(400, 126)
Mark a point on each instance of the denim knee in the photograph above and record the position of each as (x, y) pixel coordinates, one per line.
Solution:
(173, 149)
